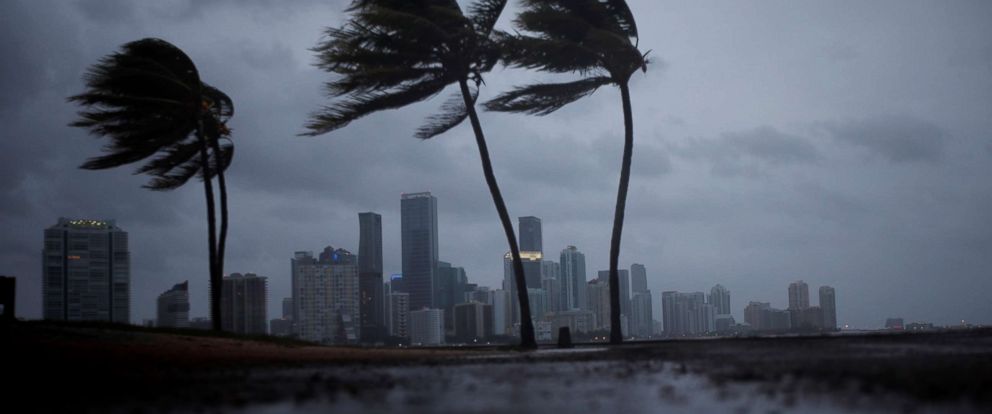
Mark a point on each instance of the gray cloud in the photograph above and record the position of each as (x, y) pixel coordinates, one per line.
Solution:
(749, 152)
(898, 138)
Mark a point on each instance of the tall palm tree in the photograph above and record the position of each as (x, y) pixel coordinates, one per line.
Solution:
(393, 53)
(596, 39)
(148, 99)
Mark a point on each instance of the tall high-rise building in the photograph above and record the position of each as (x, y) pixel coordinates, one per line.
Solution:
(502, 312)
(473, 321)
(451, 282)
(598, 297)
(573, 276)
(532, 275)
(399, 314)
(624, 277)
(686, 314)
(243, 304)
(418, 226)
(720, 299)
(530, 234)
(762, 317)
(638, 278)
(552, 295)
(173, 307)
(641, 320)
(828, 305)
(327, 299)
(372, 304)
(798, 295)
(86, 268)
(287, 308)
(427, 327)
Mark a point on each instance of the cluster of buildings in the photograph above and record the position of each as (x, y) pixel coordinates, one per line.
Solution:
(338, 297)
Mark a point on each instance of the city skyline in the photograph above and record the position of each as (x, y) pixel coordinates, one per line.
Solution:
(756, 165)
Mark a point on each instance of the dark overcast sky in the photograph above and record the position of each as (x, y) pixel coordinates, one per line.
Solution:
(845, 143)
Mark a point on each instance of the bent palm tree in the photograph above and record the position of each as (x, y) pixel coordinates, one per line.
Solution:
(148, 99)
(596, 39)
(393, 53)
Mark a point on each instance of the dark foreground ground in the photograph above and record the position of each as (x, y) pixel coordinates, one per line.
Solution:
(96, 368)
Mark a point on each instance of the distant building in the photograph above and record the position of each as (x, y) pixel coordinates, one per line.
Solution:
(326, 297)
(641, 320)
(686, 314)
(810, 318)
(798, 295)
(828, 304)
(530, 234)
(538, 303)
(8, 298)
(283, 326)
(576, 320)
(720, 299)
(638, 278)
(473, 321)
(86, 272)
(427, 327)
(552, 282)
(532, 275)
(201, 323)
(573, 277)
(399, 314)
(502, 311)
(371, 300)
(724, 323)
(598, 302)
(243, 304)
(762, 317)
(173, 307)
(418, 228)
(624, 277)
(451, 283)
(894, 324)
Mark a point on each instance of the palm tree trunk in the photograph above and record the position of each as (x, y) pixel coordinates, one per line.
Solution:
(616, 334)
(222, 186)
(208, 189)
(526, 324)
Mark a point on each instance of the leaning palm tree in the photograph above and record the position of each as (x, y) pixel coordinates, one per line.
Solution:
(596, 39)
(148, 99)
(393, 53)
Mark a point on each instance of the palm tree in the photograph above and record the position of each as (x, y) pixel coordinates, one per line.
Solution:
(148, 99)
(393, 53)
(596, 39)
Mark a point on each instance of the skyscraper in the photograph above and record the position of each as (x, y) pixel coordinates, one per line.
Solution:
(473, 321)
(427, 327)
(327, 298)
(573, 276)
(598, 298)
(502, 312)
(243, 304)
(418, 226)
(173, 307)
(638, 278)
(451, 283)
(720, 299)
(532, 274)
(641, 320)
(828, 305)
(371, 306)
(686, 314)
(798, 295)
(86, 268)
(399, 314)
(624, 277)
(530, 234)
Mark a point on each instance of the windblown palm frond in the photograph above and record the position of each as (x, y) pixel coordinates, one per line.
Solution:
(545, 98)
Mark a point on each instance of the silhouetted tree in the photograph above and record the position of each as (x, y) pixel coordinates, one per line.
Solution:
(148, 99)
(596, 39)
(392, 53)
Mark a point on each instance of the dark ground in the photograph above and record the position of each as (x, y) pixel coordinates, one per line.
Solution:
(99, 368)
